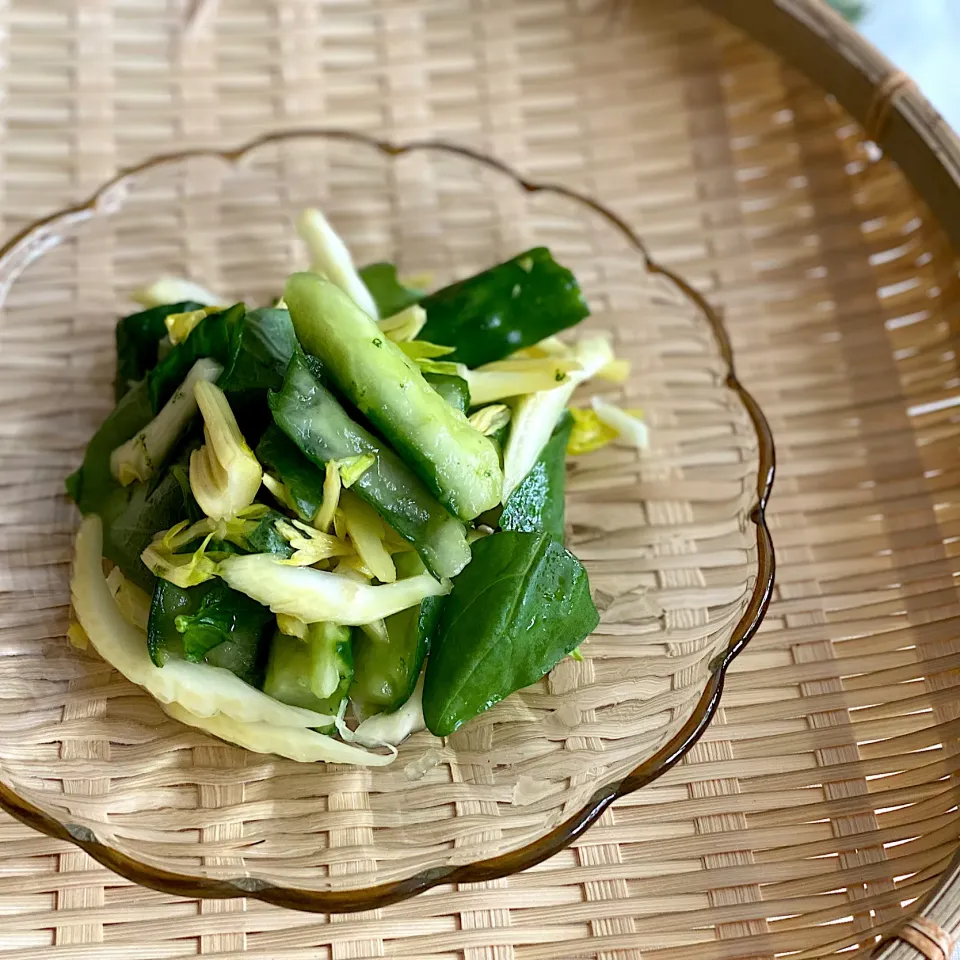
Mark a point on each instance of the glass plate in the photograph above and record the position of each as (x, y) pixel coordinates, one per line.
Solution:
(675, 542)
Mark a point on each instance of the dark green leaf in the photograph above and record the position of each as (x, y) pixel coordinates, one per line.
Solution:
(209, 338)
(138, 339)
(266, 539)
(512, 305)
(279, 455)
(520, 606)
(209, 623)
(261, 345)
(389, 294)
(93, 483)
(131, 517)
(537, 505)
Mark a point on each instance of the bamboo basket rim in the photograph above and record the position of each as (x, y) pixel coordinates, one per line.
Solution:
(898, 118)
(38, 236)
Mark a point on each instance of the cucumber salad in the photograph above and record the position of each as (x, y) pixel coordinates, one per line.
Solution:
(315, 528)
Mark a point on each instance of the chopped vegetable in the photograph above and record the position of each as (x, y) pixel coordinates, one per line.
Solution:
(589, 432)
(404, 326)
(315, 595)
(175, 290)
(356, 390)
(312, 417)
(460, 465)
(200, 688)
(291, 626)
(224, 474)
(422, 350)
(142, 455)
(537, 504)
(367, 533)
(180, 325)
(392, 297)
(490, 420)
(393, 728)
(536, 415)
(138, 341)
(351, 469)
(131, 601)
(330, 257)
(93, 484)
(294, 743)
(520, 607)
(453, 389)
(629, 428)
(184, 570)
(313, 673)
(511, 378)
(332, 488)
(510, 306)
(254, 348)
(310, 545)
(386, 673)
(296, 482)
(208, 624)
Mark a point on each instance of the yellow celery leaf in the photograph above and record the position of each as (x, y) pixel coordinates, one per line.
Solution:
(589, 432)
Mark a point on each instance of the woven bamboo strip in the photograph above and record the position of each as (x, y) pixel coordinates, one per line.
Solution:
(821, 803)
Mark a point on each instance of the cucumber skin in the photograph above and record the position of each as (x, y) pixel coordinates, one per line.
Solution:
(460, 465)
(316, 422)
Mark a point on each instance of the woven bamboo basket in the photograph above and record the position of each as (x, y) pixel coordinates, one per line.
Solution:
(787, 172)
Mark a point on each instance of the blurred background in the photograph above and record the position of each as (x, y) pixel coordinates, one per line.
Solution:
(921, 37)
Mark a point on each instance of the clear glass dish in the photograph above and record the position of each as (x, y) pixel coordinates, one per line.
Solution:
(675, 542)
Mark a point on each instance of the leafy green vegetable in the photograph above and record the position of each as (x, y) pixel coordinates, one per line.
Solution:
(390, 294)
(520, 607)
(93, 482)
(313, 673)
(138, 339)
(312, 418)
(453, 389)
(131, 516)
(458, 464)
(210, 338)
(303, 480)
(254, 349)
(510, 306)
(386, 673)
(146, 451)
(265, 538)
(537, 505)
(209, 623)
(261, 345)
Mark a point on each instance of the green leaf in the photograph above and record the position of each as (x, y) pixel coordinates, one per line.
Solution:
(537, 505)
(210, 338)
(261, 345)
(280, 456)
(93, 483)
(265, 538)
(390, 295)
(131, 517)
(138, 339)
(517, 609)
(510, 306)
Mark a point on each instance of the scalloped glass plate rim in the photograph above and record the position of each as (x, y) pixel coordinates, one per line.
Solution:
(42, 234)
